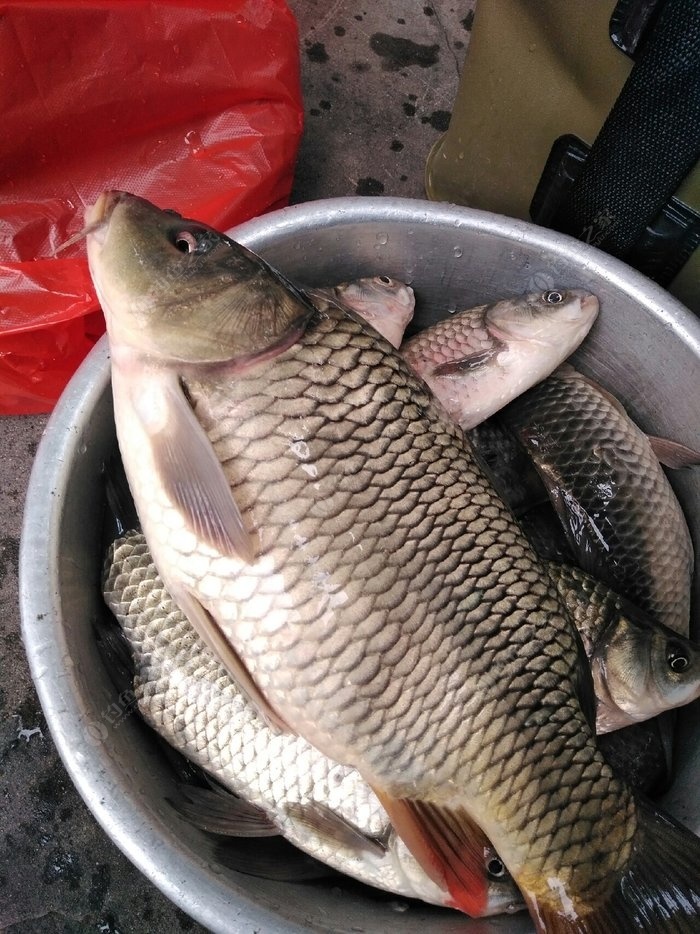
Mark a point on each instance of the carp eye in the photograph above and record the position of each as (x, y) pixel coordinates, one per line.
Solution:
(495, 868)
(554, 297)
(186, 242)
(677, 661)
(385, 279)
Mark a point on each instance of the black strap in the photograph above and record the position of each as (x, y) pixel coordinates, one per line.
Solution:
(649, 142)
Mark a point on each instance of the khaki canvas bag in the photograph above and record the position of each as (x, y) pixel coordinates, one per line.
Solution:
(584, 116)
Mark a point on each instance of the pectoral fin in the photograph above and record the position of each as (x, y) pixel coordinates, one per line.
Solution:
(119, 499)
(324, 822)
(466, 364)
(189, 469)
(210, 631)
(586, 540)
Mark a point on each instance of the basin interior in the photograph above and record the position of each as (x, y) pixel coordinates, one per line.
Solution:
(643, 347)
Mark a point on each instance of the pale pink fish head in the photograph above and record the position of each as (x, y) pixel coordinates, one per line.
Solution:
(526, 339)
(385, 303)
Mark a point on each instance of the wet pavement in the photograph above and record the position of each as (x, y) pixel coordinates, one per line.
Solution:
(379, 80)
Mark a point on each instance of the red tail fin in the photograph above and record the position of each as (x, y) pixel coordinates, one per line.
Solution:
(449, 846)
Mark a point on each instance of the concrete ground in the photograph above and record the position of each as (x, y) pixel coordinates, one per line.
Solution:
(379, 80)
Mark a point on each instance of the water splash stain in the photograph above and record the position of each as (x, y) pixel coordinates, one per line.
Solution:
(397, 53)
(438, 119)
(316, 52)
(64, 866)
(9, 556)
(99, 886)
(369, 186)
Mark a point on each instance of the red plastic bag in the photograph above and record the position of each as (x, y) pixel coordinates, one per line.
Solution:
(193, 105)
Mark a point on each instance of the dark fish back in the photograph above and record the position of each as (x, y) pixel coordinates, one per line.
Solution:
(622, 519)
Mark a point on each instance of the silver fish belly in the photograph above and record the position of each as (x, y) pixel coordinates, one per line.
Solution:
(185, 694)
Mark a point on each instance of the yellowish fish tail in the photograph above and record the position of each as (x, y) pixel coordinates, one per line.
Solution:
(658, 890)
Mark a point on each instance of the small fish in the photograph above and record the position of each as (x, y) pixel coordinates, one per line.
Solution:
(385, 303)
(640, 668)
(190, 700)
(622, 520)
(478, 360)
(370, 592)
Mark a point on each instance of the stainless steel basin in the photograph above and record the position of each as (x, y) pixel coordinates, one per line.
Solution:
(645, 347)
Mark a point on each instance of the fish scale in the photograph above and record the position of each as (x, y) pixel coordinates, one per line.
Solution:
(415, 577)
(186, 696)
(635, 537)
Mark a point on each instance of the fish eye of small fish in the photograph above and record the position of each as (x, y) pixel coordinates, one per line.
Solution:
(495, 868)
(677, 659)
(553, 297)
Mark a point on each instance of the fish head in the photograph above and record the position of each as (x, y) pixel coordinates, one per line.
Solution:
(675, 667)
(560, 318)
(519, 341)
(642, 669)
(385, 303)
(174, 289)
(503, 894)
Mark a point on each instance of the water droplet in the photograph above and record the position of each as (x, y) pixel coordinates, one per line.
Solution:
(194, 141)
(82, 449)
(457, 251)
(382, 238)
(451, 309)
(460, 156)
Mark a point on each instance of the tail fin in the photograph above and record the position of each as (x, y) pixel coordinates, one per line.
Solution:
(119, 500)
(455, 853)
(659, 890)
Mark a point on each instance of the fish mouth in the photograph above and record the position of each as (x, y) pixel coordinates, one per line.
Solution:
(590, 304)
(97, 218)
(100, 212)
